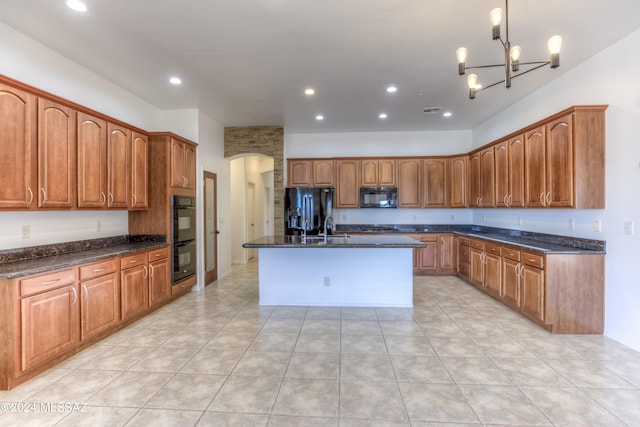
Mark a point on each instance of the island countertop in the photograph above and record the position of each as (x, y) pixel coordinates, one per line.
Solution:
(336, 241)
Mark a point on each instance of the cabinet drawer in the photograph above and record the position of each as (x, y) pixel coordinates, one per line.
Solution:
(463, 241)
(492, 248)
(512, 254)
(161, 253)
(477, 244)
(46, 282)
(133, 260)
(98, 269)
(533, 260)
(427, 237)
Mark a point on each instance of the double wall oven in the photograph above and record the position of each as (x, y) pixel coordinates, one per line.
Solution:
(183, 212)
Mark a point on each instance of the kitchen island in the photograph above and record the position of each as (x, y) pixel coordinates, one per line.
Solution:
(343, 270)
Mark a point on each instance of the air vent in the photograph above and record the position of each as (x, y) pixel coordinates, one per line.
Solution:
(431, 110)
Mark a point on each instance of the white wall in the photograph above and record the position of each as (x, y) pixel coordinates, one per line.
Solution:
(610, 77)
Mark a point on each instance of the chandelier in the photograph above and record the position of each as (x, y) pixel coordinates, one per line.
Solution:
(511, 56)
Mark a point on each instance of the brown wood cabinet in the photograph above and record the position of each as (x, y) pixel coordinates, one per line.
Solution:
(100, 297)
(92, 162)
(57, 151)
(458, 181)
(438, 257)
(134, 285)
(409, 179)
(183, 164)
(464, 258)
(492, 268)
(509, 171)
(49, 317)
(559, 183)
(118, 166)
(434, 184)
(487, 178)
(310, 173)
(348, 188)
(532, 285)
(323, 175)
(139, 171)
(378, 172)
(18, 171)
(159, 276)
(510, 292)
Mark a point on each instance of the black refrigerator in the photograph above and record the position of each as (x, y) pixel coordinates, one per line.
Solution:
(306, 208)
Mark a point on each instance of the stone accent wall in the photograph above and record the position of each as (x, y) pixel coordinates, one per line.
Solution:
(269, 141)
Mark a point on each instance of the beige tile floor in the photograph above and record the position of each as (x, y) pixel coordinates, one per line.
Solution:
(216, 358)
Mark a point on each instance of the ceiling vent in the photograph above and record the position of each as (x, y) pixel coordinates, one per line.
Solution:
(431, 110)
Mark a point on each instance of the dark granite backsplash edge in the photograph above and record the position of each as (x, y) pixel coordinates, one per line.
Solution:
(41, 251)
(575, 242)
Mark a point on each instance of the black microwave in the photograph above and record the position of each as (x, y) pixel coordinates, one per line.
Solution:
(378, 197)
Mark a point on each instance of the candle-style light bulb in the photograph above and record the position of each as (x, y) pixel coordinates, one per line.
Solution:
(554, 44)
(515, 58)
(461, 54)
(496, 20)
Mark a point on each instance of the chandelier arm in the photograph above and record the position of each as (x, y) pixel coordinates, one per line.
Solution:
(484, 66)
(491, 85)
(536, 62)
(530, 70)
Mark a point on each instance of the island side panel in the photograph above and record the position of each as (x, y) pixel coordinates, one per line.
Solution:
(358, 277)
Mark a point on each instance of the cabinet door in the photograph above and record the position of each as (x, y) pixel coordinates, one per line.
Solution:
(118, 166)
(492, 273)
(458, 182)
(348, 189)
(534, 168)
(49, 325)
(409, 194)
(56, 155)
(134, 291)
(516, 171)
(428, 256)
(190, 166)
(510, 292)
(559, 165)
(159, 281)
(369, 173)
(299, 173)
(501, 151)
(18, 160)
(446, 253)
(487, 178)
(323, 173)
(474, 180)
(532, 292)
(139, 171)
(387, 172)
(435, 183)
(477, 267)
(464, 260)
(92, 162)
(100, 306)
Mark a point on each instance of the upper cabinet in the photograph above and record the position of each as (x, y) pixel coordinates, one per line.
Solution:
(140, 171)
(92, 162)
(409, 179)
(119, 165)
(509, 172)
(348, 188)
(183, 164)
(310, 173)
(18, 172)
(458, 182)
(482, 178)
(56, 155)
(378, 173)
(435, 185)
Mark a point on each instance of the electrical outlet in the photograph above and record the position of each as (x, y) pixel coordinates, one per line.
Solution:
(519, 220)
(344, 217)
(597, 226)
(572, 224)
(26, 231)
(327, 281)
(98, 226)
(628, 227)
(453, 217)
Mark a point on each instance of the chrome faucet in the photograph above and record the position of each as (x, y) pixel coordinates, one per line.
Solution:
(325, 226)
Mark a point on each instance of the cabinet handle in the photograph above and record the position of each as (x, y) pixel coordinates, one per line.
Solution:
(158, 255)
(44, 194)
(146, 272)
(549, 198)
(86, 291)
(542, 198)
(133, 200)
(75, 296)
(505, 200)
(522, 271)
(510, 200)
(481, 201)
(104, 198)
(111, 197)
(50, 282)
(30, 195)
(133, 261)
(150, 270)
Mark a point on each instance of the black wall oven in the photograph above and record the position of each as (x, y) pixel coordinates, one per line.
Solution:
(183, 212)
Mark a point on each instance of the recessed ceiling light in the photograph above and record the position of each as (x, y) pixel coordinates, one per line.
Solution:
(319, 117)
(392, 89)
(383, 115)
(447, 114)
(77, 5)
(309, 91)
(175, 81)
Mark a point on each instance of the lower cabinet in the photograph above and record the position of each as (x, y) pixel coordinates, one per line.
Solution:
(438, 257)
(134, 285)
(100, 297)
(159, 276)
(532, 286)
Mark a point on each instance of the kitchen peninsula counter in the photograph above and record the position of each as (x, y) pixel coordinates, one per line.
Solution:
(348, 271)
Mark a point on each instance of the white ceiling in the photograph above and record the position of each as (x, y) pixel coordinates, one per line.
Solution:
(247, 62)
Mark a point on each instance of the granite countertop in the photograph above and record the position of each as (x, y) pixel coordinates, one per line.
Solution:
(535, 242)
(336, 241)
(40, 259)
